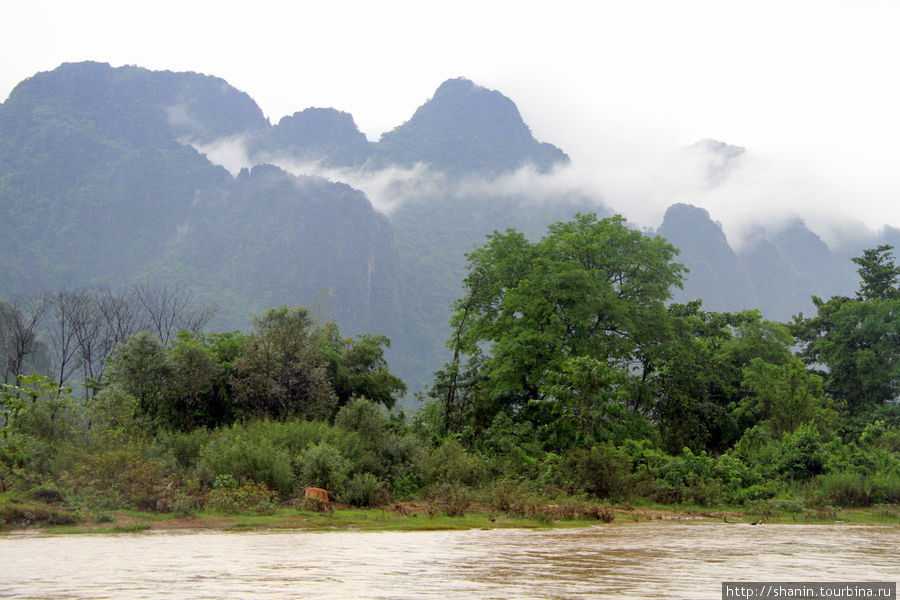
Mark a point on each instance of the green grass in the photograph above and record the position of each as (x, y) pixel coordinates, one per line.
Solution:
(358, 519)
(130, 528)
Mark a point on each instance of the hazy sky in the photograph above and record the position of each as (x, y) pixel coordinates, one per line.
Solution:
(810, 88)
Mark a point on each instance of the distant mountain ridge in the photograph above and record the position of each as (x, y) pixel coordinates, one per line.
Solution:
(100, 185)
(463, 129)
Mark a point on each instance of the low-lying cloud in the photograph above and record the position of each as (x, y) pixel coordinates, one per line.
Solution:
(742, 190)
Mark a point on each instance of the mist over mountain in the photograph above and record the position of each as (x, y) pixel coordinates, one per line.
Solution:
(103, 182)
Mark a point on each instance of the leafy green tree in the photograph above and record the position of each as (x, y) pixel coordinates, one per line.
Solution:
(279, 373)
(698, 379)
(17, 399)
(141, 368)
(784, 397)
(590, 288)
(857, 341)
(587, 403)
(878, 274)
(357, 367)
(197, 396)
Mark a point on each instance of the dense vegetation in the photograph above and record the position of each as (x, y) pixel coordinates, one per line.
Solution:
(573, 378)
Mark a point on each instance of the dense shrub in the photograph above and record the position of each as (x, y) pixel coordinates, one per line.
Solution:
(247, 457)
(602, 470)
(363, 489)
(504, 494)
(802, 455)
(852, 489)
(452, 500)
(774, 508)
(14, 513)
(184, 449)
(451, 464)
(322, 465)
(117, 479)
(250, 497)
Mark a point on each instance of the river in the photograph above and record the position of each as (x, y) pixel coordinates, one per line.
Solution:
(619, 560)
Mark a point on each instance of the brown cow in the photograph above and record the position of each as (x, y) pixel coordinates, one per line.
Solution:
(318, 494)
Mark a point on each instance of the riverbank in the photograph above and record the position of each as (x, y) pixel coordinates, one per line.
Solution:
(407, 516)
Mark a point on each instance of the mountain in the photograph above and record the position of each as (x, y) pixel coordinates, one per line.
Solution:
(98, 186)
(322, 135)
(776, 272)
(466, 129)
(102, 184)
(715, 273)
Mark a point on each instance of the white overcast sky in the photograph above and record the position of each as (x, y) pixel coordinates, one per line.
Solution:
(810, 88)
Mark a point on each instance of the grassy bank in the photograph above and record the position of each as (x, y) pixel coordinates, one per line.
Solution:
(17, 514)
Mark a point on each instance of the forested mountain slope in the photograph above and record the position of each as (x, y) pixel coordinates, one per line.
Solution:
(100, 187)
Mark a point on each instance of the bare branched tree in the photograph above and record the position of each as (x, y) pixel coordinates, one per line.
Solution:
(89, 334)
(169, 310)
(65, 355)
(20, 318)
(85, 326)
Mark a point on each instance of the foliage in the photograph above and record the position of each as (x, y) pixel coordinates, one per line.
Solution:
(357, 367)
(236, 422)
(785, 397)
(250, 497)
(452, 499)
(590, 288)
(363, 489)
(856, 339)
(247, 458)
(451, 464)
(602, 470)
(279, 374)
(802, 454)
(323, 466)
(117, 478)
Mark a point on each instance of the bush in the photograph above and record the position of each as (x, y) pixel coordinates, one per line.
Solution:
(802, 455)
(248, 458)
(23, 514)
(756, 492)
(47, 493)
(504, 494)
(603, 470)
(452, 500)
(117, 479)
(322, 465)
(185, 449)
(886, 488)
(362, 416)
(451, 464)
(251, 497)
(842, 489)
(856, 490)
(775, 507)
(364, 489)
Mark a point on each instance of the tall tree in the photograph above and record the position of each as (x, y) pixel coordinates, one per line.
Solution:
(857, 341)
(168, 310)
(279, 373)
(66, 307)
(357, 367)
(590, 288)
(20, 321)
(878, 274)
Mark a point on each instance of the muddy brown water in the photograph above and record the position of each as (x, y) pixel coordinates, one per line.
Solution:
(620, 560)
